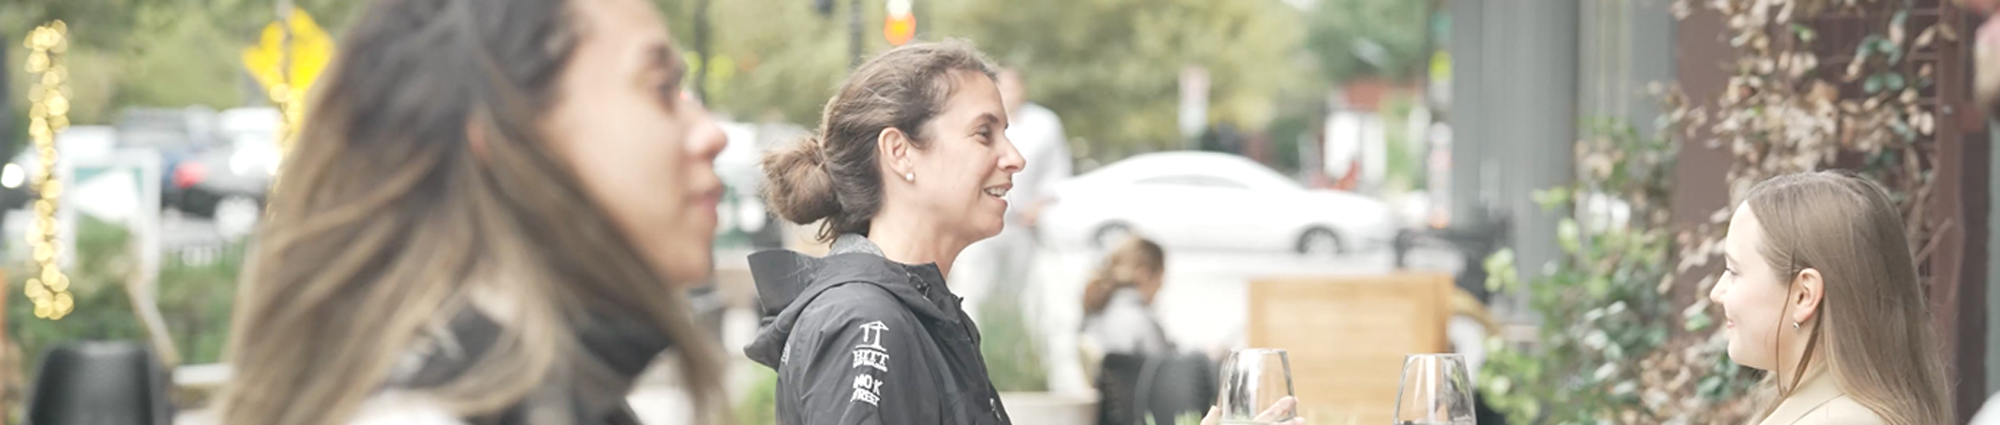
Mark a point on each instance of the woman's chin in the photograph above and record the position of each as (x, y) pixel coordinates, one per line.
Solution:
(992, 225)
(1737, 356)
(989, 232)
(689, 270)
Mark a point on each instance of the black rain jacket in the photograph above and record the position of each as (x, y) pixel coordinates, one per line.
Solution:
(859, 339)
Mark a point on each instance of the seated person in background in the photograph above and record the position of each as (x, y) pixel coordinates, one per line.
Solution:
(1117, 305)
(1139, 374)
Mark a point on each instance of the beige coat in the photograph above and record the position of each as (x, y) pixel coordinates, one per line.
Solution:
(1820, 401)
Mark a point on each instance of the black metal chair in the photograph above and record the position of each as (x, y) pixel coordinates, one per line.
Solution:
(1474, 240)
(1163, 387)
(99, 383)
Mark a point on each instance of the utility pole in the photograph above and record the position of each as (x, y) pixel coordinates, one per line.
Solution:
(854, 34)
(6, 104)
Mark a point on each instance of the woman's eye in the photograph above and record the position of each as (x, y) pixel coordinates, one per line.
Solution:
(670, 93)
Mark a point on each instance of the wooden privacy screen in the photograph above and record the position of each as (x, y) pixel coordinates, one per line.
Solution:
(1346, 337)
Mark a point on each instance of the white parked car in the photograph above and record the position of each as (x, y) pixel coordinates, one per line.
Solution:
(1212, 201)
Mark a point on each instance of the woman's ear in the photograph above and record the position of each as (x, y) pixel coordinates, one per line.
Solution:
(1808, 289)
(895, 150)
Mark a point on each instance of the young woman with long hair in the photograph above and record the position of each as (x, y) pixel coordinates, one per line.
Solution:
(487, 218)
(1820, 291)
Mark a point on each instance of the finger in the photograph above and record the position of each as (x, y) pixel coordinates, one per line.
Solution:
(1214, 416)
(1281, 409)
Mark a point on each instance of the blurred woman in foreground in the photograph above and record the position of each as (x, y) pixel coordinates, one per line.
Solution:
(484, 221)
(1821, 292)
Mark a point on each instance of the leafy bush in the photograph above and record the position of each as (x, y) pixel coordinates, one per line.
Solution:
(195, 300)
(1606, 310)
(1013, 354)
(759, 405)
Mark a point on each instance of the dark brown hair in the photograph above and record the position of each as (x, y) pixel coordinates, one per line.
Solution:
(1873, 322)
(1121, 269)
(834, 176)
(385, 222)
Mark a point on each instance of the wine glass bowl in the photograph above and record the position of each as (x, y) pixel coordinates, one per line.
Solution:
(1257, 388)
(1436, 390)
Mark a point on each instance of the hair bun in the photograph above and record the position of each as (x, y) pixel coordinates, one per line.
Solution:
(800, 190)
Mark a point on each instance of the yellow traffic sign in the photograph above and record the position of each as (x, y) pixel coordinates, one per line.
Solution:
(309, 51)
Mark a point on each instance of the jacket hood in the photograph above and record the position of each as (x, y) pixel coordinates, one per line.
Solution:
(788, 281)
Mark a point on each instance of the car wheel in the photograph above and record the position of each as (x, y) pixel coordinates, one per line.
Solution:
(1320, 243)
(236, 215)
(1111, 235)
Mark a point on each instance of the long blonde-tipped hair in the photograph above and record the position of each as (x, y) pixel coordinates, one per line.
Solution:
(1873, 327)
(385, 221)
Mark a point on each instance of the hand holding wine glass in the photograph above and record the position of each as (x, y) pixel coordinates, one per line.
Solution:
(1284, 406)
(1256, 390)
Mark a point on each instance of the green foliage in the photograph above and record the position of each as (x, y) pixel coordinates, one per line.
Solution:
(1112, 68)
(155, 53)
(196, 300)
(759, 406)
(1404, 155)
(1292, 126)
(1183, 419)
(772, 60)
(1354, 39)
(1013, 354)
(1605, 311)
(164, 53)
(97, 281)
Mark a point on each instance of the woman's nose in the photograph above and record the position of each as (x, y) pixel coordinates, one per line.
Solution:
(1011, 160)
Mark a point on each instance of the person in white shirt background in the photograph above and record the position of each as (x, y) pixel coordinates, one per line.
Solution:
(1038, 132)
(1000, 266)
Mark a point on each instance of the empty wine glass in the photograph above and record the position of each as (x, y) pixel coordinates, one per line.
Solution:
(1436, 390)
(1257, 388)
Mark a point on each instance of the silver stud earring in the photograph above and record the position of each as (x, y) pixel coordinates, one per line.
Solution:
(1795, 326)
(910, 177)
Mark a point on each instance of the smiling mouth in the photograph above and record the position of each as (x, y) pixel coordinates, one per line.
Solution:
(999, 192)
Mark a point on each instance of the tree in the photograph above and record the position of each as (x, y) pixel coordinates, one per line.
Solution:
(1111, 68)
(167, 53)
(770, 60)
(1353, 39)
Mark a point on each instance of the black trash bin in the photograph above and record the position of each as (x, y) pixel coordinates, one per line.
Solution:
(99, 383)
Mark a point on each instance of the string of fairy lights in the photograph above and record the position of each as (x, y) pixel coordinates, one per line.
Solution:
(48, 114)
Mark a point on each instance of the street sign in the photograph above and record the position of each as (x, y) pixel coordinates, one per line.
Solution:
(309, 51)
